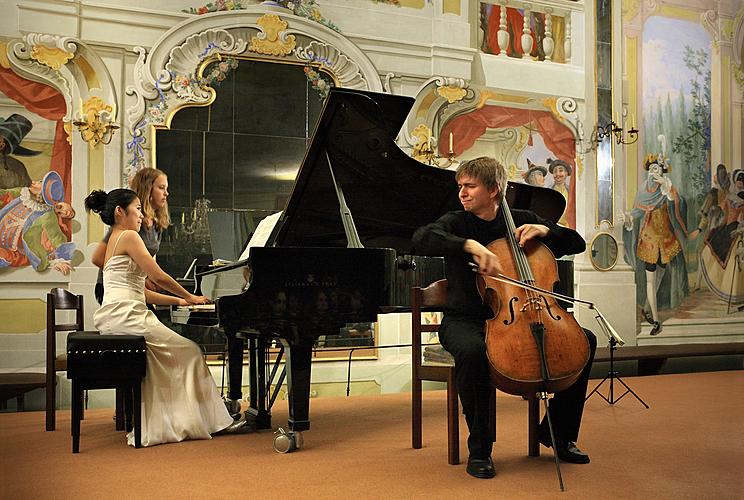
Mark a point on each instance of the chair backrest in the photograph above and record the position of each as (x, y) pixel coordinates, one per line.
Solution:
(430, 298)
(61, 299)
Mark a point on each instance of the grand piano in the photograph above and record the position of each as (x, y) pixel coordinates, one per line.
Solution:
(341, 251)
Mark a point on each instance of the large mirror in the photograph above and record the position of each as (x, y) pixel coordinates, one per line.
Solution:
(233, 162)
(603, 66)
(603, 251)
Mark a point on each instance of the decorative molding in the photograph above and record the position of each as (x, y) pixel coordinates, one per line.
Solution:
(53, 57)
(437, 99)
(630, 9)
(273, 39)
(710, 22)
(452, 93)
(22, 61)
(346, 71)
(167, 77)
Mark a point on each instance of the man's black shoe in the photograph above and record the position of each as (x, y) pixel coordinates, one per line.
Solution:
(481, 468)
(567, 452)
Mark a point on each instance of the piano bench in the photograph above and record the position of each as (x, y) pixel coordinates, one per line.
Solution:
(96, 361)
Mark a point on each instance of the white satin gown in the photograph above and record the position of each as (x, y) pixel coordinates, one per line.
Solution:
(179, 397)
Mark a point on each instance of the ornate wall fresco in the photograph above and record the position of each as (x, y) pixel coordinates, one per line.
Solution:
(35, 151)
(40, 124)
(533, 137)
(682, 230)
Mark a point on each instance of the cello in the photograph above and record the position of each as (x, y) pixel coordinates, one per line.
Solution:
(533, 345)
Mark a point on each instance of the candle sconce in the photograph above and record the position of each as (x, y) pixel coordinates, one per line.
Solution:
(612, 129)
(425, 150)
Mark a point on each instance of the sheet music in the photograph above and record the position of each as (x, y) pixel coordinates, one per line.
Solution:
(261, 234)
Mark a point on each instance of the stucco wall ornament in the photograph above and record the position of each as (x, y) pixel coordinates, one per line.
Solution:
(345, 70)
(167, 77)
(710, 22)
(24, 62)
(451, 93)
(273, 38)
(437, 99)
(304, 8)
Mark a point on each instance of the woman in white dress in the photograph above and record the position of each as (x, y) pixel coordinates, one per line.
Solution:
(179, 397)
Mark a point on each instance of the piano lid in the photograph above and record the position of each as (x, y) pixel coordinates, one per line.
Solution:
(388, 193)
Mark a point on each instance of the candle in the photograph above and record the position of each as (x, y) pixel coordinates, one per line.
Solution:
(451, 143)
(183, 217)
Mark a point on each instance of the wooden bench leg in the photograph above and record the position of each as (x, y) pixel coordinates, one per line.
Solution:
(137, 410)
(120, 410)
(77, 409)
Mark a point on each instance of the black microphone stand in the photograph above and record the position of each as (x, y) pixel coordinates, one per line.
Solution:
(612, 374)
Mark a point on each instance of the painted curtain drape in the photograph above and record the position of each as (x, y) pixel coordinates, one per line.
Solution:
(46, 102)
(557, 137)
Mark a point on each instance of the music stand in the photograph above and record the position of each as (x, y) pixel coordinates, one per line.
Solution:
(612, 374)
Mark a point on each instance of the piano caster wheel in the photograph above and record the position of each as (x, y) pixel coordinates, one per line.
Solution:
(286, 442)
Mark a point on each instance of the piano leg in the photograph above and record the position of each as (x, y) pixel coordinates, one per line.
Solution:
(299, 363)
(235, 346)
(258, 348)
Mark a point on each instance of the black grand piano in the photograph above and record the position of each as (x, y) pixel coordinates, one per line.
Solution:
(341, 251)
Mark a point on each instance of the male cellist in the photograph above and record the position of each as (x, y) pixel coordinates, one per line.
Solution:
(461, 237)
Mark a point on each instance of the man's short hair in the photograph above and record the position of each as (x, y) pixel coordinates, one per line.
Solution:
(486, 169)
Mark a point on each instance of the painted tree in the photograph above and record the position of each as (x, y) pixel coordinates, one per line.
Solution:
(694, 142)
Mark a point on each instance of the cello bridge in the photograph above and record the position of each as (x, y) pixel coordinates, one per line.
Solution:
(532, 304)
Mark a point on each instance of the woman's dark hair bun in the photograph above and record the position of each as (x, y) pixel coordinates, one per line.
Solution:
(96, 201)
(105, 204)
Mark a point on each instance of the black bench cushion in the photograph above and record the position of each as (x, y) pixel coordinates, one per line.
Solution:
(91, 356)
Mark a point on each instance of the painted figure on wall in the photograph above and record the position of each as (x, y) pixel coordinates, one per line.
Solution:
(561, 171)
(722, 255)
(654, 237)
(549, 137)
(13, 172)
(30, 232)
(535, 174)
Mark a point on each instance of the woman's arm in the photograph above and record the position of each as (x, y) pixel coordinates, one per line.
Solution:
(132, 245)
(160, 299)
(99, 255)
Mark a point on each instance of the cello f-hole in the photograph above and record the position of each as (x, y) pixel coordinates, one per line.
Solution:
(556, 317)
(511, 311)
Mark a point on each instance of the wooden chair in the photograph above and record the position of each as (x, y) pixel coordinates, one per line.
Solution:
(59, 299)
(433, 298)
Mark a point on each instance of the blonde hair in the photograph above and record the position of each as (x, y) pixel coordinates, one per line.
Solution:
(142, 185)
(487, 170)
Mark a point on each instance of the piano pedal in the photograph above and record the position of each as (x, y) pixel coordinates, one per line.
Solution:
(286, 442)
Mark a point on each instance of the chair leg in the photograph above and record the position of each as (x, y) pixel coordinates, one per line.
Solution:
(77, 408)
(453, 424)
(534, 426)
(51, 402)
(137, 410)
(492, 414)
(416, 414)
